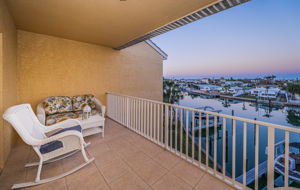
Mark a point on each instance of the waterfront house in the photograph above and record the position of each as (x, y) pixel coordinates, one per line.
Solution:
(265, 92)
(67, 48)
(210, 87)
(234, 89)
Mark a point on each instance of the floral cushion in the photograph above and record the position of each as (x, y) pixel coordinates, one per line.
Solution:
(55, 118)
(57, 104)
(80, 101)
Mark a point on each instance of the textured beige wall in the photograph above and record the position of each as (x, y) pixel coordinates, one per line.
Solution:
(8, 71)
(51, 66)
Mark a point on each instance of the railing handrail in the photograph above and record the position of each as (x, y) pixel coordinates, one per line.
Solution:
(261, 123)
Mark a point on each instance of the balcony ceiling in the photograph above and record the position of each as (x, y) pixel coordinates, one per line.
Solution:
(111, 23)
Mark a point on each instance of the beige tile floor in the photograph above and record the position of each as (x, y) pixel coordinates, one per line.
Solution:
(123, 161)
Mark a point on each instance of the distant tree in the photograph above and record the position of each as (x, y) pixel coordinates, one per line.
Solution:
(293, 117)
(270, 79)
(171, 92)
(293, 88)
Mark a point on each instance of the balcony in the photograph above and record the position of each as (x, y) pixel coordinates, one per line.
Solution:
(123, 160)
(150, 144)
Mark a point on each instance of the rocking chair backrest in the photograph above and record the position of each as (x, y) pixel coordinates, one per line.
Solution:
(24, 121)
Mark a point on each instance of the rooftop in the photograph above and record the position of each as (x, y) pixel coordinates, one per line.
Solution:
(123, 160)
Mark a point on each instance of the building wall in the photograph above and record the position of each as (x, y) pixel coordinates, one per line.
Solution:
(51, 66)
(8, 78)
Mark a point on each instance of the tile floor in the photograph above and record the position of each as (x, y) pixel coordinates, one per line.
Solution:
(123, 161)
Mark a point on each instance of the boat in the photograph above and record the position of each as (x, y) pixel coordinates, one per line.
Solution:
(294, 162)
(206, 108)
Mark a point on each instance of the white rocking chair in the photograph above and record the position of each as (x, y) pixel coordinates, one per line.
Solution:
(65, 140)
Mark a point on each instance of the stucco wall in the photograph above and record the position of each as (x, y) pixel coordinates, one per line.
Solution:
(51, 66)
(8, 79)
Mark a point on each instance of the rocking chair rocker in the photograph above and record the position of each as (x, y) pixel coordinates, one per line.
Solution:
(65, 140)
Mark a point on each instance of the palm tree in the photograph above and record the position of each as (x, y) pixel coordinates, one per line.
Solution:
(293, 88)
(171, 92)
(226, 88)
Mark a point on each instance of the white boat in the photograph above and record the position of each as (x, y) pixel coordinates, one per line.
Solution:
(294, 162)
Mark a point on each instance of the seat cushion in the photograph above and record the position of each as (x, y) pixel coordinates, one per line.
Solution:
(54, 145)
(57, 104)
(55, 118)
(80, 101)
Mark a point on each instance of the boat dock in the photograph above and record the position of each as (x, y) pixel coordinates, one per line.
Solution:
(250, 176)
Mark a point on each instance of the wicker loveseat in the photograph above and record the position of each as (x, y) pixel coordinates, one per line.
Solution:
(55, 109)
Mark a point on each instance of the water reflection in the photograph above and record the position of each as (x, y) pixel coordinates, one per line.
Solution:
(289, 116)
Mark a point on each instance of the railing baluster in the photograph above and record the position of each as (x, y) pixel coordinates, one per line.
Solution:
(171, 128)
(181, 131)
(151, 121)
(200, 138)
(215, 144)
(233, 149)
(224, 148)
(166, 125)
(118, 115)
(135, 113)
(162, 124)
(245, 156)
(286, 158)
(139, 116)
(207, 131)
(176, 125)
(158, 123)
(127, 112)
(148, 120)
(154, 122)
(256, 155)
(138, 112)
(145, 119)
(193, 136)
(131, 111)
(187, 133)
(123, 110)
(113, 107)
(270, 181)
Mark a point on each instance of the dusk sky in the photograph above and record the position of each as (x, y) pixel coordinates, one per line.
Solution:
(256, 38)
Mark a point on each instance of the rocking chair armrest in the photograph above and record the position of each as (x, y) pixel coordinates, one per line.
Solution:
(61, 136)
(41, 114)
(64, 124)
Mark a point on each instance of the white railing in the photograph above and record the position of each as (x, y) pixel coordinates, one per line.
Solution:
(193, 135)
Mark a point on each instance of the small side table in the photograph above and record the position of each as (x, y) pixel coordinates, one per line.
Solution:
(93, 125)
